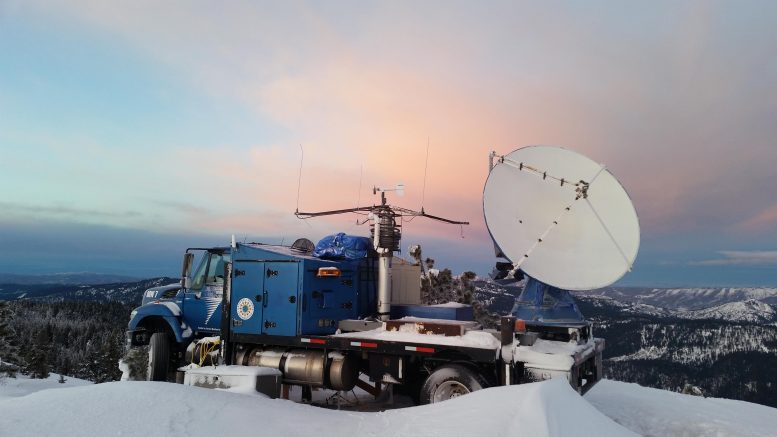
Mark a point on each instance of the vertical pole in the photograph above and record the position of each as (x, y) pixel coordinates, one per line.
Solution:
(384, 269)
(384, 285)
(507, 331)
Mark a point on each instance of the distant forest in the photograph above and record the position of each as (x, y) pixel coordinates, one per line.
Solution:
(82, 339)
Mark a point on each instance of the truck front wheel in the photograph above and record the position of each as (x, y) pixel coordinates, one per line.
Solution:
(158, 357)
(450, 381)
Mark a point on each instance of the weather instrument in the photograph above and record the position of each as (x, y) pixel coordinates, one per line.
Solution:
(386, 224)
(560, 217)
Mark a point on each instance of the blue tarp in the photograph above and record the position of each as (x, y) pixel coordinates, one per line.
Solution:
(342, 246)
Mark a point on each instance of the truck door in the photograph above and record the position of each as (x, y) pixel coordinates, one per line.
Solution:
(247, 297)
(281, 285)
(201, 303)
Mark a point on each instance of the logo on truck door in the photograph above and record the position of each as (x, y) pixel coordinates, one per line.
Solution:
(245, 308)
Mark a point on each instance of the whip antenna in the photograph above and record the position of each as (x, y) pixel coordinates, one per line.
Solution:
(299, 180)
(426, 165)
(359, 193)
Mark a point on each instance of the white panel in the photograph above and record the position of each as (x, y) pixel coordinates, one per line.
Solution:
(405, 283)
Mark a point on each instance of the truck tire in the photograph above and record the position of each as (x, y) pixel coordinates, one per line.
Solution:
(450, 381)
(158, 357)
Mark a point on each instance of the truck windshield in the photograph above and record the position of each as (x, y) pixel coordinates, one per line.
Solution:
(210, 271)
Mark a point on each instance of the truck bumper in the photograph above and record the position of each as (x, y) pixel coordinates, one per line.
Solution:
(583, 369)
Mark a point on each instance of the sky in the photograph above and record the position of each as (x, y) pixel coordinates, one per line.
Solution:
(130, 131)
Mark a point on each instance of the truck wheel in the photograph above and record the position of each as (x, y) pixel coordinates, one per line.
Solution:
(158, 357)
(450, 381)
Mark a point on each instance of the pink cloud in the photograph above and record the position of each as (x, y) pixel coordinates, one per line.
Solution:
(676, 109)
(764, 220)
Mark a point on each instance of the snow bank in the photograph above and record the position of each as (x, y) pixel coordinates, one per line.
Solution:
(22, 385)
(153, 409)
(654, 412)
(550, 408)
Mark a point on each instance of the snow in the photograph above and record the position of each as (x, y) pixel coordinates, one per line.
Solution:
(237, 379)
(22, 385)
(253, 371)
(750, 310)
(408, 334)
(549, 408)
(450, 305)
(687, 299)
(551, 355)
(154, 409)
(422, 320)
(653, 412)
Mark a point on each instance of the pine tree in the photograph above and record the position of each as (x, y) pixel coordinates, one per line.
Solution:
(9, 349)
(107, 368)
(443, 287)
(38, 364)
(90, 368)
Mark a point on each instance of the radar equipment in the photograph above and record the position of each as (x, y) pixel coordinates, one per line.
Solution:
(560, 217)
(386, 233)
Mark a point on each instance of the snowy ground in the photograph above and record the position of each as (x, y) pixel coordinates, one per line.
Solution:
(654, 412)
(551, 408)
(22, 386)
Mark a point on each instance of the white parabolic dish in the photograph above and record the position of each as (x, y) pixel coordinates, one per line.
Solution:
(590, 245)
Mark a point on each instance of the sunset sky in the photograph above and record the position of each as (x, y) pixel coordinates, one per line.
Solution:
(132, 130)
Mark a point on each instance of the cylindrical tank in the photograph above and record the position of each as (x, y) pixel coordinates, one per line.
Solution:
(306, 367)
(343, 371)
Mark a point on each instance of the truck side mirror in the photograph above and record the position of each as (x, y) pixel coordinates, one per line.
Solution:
(186, 271)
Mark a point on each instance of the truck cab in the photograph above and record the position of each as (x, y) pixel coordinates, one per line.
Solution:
(175, 314)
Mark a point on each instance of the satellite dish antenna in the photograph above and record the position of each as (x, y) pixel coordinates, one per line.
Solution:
(561, 218)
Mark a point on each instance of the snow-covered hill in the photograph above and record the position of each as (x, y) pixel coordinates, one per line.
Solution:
(750, 310)
(686, 299)
(126, 292)
(71, 278)
(627, 307)
(549, 408)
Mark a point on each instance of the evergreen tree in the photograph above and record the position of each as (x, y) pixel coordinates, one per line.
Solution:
(9, 349)
(90, 367)
(443, 287)
(38, 365)
(107, 368)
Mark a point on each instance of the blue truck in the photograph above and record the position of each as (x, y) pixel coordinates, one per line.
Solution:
(316, 320)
